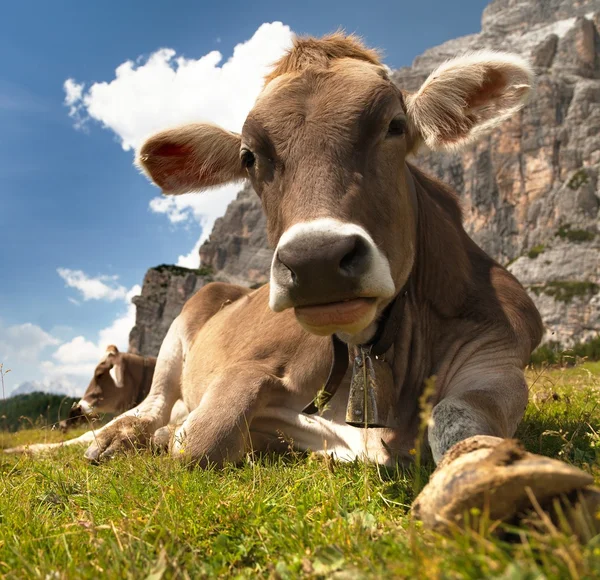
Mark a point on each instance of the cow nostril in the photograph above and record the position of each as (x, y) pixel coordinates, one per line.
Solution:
(282, 260)
(352, 260)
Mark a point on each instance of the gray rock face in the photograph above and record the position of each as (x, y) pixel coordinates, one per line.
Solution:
(564, 282)
(164, 292)
(534, 177)
(237, 249)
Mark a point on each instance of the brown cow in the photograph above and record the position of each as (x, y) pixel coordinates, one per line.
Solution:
(120, 382)
(368, 249)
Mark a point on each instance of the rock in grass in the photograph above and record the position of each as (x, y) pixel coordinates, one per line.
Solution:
(495, 477)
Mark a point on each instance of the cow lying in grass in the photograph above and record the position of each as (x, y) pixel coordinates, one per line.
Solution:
(369, 250)
(120, 382)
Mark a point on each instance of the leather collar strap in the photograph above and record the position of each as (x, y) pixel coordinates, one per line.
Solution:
(339, 366)
(378, 345)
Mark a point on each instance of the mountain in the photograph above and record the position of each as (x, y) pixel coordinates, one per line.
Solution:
(53, 387)
(529, 191)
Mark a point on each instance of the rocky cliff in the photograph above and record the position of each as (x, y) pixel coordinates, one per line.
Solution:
(237, 249)
(530, 190)
(164, 292)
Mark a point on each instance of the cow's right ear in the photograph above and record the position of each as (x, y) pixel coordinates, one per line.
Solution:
(113, 356)
(467, 97)
(192, 158)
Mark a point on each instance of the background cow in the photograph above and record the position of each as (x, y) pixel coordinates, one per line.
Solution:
(120, 382)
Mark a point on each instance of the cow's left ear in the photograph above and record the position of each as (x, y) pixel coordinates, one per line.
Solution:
(192, 158)
(468, 96)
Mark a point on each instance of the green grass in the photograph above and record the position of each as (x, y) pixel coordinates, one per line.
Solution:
(553, 353)
(145, 516)
(535, 251)
(566, 233)
(33, 410)
(565, 290)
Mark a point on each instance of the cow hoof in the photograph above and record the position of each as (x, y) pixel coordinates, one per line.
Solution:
(494, 477)
(125, 434)
(161, 439)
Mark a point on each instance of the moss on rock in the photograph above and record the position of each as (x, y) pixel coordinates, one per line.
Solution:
(578, 179)
(566, 290)
(536, 251)
(181, 271)
(566, 233)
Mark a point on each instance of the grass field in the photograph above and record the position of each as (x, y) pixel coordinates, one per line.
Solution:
(145, 516)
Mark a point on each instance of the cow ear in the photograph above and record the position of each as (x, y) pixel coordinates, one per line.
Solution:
(191, 158)
(468, 96)
(112, 356)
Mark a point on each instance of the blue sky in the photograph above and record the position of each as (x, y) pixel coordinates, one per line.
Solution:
(70, 200)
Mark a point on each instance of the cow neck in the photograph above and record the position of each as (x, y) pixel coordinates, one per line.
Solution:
(383, 339)
(143, 392)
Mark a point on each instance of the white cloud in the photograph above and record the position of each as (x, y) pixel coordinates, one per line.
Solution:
(176, 212)
(118, 332)
(98, 288)
(23, 342)
(79, 356)
(76, 350)
(73, 92)
(21, 347)
(191, 260)
(168, 90)
(68, 369)
(73, 100)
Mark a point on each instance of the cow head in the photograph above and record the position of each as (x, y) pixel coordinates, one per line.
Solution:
(324, 148)
(105, 393)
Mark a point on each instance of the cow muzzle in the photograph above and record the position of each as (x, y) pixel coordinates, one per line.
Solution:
(332, 274)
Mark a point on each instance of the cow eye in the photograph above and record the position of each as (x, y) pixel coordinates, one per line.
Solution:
(247, 158)
(397, 127)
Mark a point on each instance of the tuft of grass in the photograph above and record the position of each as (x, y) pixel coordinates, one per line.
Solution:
(536, 251)
(566, 233)
(566, 290)
(578, 179)
(294, 516)
(552, 353)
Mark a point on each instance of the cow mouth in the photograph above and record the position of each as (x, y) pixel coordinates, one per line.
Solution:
(349, 316)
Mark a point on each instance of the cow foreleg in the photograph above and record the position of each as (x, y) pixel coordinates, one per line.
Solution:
(478, 401)
(218, 430)
(136, 427)
(37, 448)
